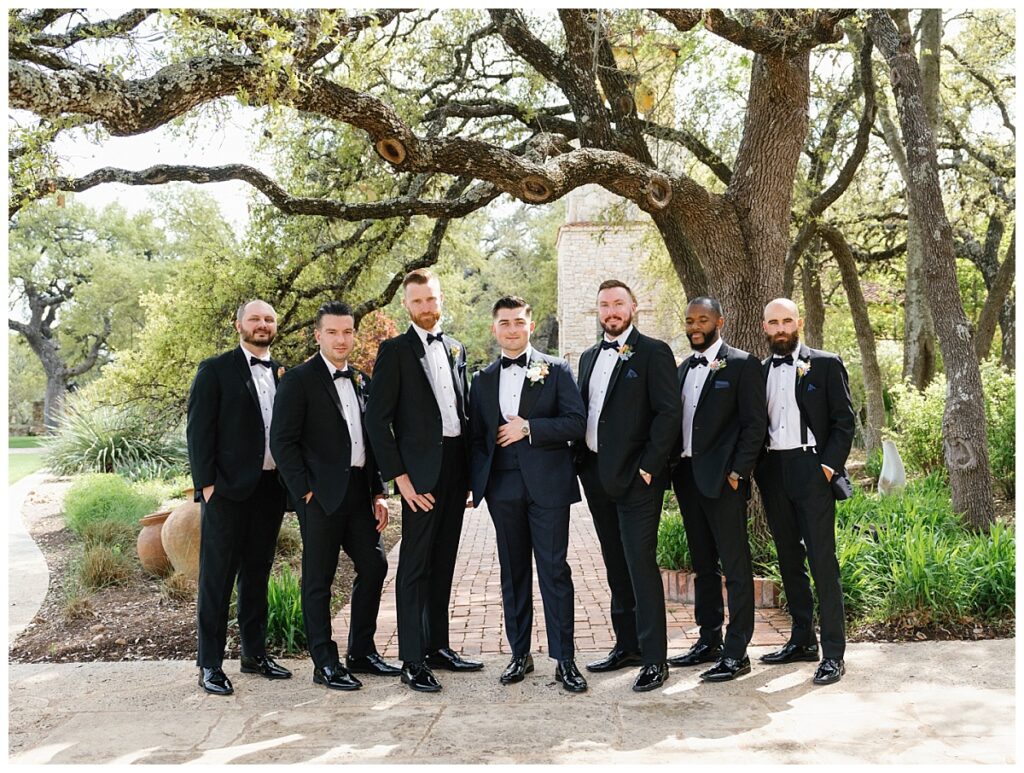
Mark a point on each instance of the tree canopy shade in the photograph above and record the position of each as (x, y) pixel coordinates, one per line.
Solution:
(410, 116)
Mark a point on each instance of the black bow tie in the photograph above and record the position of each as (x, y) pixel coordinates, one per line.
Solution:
(698, 360)
(258, 361)
(777, 361)
(431, 337)
(609, 345)
(349, 374)
(520, 360)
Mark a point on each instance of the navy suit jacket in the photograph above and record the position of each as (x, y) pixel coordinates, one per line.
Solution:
(557, 417)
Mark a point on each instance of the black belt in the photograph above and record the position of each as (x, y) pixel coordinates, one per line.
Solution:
(800, 450)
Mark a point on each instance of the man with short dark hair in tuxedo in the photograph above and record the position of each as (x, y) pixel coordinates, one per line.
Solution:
(810, 431)
(525, 411)
(724, 421)
(321, 449)
(241, 498)
(417, 422)
(629, 387)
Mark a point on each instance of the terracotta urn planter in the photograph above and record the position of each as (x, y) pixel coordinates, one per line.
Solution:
(180, 536)
(150, 546)
(678, 585)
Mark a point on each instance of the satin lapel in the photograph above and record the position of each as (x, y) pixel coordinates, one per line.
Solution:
(722, 355)
(766, 368)
(586, 369)
(489, 393)
(618, 370)
(682, 372)
(453, 363)
(245, 371)
(420, 352)
(325, 378)
(531, 391)
(800, 387)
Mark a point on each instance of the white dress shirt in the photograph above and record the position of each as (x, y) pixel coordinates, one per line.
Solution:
(511, 381)
(442, 382)
(263, 380)
(600, 378)
(693, 385)
(783, 411)
(353, 413)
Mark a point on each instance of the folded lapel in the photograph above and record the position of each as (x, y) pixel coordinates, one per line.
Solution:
(490, 380)
(586, 369)
(618, 370)
(723, 352)
(531, 391)
(420, 351)
(453, 362)
(245, 371)
(326, 379)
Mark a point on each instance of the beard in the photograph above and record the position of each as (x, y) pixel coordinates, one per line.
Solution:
(259, 337)
(427, 319)
(785, 345)
(709, 338)
(614, 327)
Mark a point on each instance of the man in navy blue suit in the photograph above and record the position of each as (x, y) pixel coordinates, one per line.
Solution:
(525, 410)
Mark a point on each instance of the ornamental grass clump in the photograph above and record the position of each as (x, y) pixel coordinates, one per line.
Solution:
(96, 498)
(286, 632)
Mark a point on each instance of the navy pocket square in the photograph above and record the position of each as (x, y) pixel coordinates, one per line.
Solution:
(811, 387)
(631, 373)
(721, 385)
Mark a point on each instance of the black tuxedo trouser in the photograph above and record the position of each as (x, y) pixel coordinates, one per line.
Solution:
(801, 514)
(716, 531)
(627, 529)
(522, 526)
(237, 541)
(426, 558)
(351, 528)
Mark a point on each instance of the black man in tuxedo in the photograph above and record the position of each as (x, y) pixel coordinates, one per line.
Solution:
(325, 460)
(629, 387)
(525, 410)
(724, 422)
(802, 473)
(241, 498)
(418, 425)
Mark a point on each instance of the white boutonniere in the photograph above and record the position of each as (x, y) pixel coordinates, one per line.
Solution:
(718, 364)
(625, 352)
(802, 368)
(537, 372)
(456, 350)
(357, 379)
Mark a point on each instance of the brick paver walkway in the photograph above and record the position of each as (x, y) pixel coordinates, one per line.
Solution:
(477, 622)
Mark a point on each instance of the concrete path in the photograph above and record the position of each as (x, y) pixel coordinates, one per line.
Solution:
(936, 702)
(27, 575)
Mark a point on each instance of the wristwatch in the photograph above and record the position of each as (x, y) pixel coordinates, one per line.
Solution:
(526, 429)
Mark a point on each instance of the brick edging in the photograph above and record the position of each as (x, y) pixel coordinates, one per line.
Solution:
(678, 585)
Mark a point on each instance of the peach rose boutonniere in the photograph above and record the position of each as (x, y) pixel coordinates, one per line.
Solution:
(537, 372)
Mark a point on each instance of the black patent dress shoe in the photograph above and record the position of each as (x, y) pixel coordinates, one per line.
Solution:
(335, 678)
(701, 652)
(615, 660)
(792, 653)
(517, 669)
(215, 681)
(570, 676)
(726, 669)
(371, 664)
(450, 660)
(651, 677)
(265, 666)
(829, 670)
(419, 677)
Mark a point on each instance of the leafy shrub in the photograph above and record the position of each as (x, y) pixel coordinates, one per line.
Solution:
(106, 498)
(1001, 419)
(102, 566)
(285, 629)
(129, 440)
(673, 549)
(110, 532)
(873, 464)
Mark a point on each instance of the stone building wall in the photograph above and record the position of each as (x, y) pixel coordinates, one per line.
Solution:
(602, 238)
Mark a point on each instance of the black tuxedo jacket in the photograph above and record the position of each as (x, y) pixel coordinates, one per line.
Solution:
(310, 438)
(225, 431)
(823, 395)
(557, 417)
(730, 421)
(641, 416)
(402, 417)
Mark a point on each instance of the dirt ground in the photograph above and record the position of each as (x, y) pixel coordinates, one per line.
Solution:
(137, 621)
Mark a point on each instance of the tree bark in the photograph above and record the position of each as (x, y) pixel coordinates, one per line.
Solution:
(995, 303)
(814, 304)
(963, 426)
(873, 400)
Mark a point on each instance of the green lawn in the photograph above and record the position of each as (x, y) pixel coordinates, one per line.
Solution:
(20, 465)
(24, 441)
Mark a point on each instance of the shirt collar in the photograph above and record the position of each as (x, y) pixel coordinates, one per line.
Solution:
(711, 353)
(423, 333)
(248, 354)
(622, 337)
(330, 365)
(528, 351)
